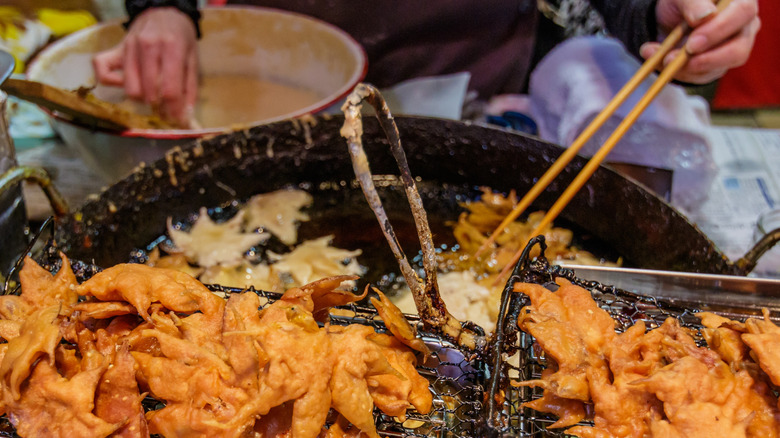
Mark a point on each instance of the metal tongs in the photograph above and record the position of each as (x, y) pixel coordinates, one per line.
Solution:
(430, 306)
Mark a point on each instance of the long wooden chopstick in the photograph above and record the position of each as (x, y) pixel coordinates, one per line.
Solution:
(664, 78)
(669, 43)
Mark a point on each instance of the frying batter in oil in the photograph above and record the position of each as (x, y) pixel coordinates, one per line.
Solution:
(225, 100)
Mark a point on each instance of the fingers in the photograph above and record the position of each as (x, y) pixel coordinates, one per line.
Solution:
(712, 64)
(733, 53)
(133, 86)
(171, 80)
(719, 41)
(191, 87)
(108, 66)
(156, 62)
(150, 59)
(697, 70)
(731, 21)
(178, 81)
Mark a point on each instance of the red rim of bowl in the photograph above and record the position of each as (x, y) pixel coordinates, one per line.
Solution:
(177, 134)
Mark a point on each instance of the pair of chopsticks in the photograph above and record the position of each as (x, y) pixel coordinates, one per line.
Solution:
(666, 75)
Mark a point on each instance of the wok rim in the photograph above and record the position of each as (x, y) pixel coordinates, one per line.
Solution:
(702, 256)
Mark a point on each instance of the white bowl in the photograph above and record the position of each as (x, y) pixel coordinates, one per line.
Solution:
(262, 43)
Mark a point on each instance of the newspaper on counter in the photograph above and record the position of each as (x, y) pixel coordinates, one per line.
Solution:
(746, 185)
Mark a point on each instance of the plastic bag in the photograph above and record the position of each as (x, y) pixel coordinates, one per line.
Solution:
(575, 81)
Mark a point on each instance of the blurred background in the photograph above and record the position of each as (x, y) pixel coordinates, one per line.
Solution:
(746, 96)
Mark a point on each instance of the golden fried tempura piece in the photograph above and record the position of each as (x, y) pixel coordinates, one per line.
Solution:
(594, 325)
(40, 335)
(568, 411)
(725, 337)
(678, 342)
(700, 400)
(142, 285)
(355, 361)
(52, 405)
(299, 364)
(41, 289)
(179, 420)
(176, 261)
(244, 354)
(103, 309)
(397, 324)
(201, 399)
(325, 294)
(760, 407)
(117, 400)
(712, 320)
(619, 407)
(569, 338)
(721, 336)
(391, 391)
(763, 338)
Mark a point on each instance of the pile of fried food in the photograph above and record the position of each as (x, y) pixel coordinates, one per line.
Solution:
(79, 359)
(655, 383)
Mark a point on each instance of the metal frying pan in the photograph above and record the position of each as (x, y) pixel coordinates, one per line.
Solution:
(451, 159)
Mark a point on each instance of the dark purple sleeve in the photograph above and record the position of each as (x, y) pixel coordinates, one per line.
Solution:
(631, 21)
(188, 7)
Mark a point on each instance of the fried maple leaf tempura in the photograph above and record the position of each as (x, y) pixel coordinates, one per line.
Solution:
(222, 368)
(655, 383)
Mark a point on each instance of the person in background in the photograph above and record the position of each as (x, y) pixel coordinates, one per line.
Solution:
(493, 40)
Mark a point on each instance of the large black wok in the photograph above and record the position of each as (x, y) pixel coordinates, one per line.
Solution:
(451, 160)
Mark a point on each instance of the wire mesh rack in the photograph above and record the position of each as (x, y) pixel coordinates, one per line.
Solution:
(521, 360)
(472, 395)
(456, 381)
(456, 376)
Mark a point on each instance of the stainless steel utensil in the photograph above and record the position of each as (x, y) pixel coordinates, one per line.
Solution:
(7, 64)
(13, 216)
(12, 212)
(721, 293)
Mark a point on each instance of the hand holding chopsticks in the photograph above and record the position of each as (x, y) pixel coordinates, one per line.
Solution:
(664, 78)
(718, 42)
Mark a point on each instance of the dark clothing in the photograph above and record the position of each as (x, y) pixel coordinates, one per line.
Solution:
(189, 7)
(494, 40)
(411, 38)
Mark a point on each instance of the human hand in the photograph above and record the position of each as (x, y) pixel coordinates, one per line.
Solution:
(156, 62)
(719, 41)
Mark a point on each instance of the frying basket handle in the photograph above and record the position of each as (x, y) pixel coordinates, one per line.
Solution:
(40, 177)
(748, 262)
